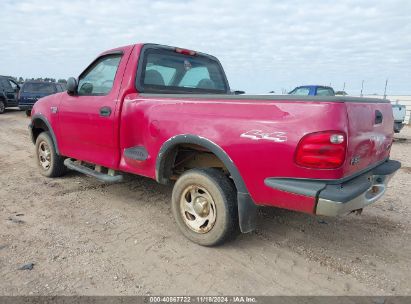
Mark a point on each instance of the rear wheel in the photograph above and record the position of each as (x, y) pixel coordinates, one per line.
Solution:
(48, 161)
(2, 106)
(204, 206)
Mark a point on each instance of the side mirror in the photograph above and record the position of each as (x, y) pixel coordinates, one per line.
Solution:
(72, 86)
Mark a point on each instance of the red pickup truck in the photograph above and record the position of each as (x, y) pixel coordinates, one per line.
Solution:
(167, 113)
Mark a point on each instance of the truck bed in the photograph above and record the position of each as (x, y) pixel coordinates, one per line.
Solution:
(269, 97)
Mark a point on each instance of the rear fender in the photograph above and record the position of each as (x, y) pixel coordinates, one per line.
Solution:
(247, 210)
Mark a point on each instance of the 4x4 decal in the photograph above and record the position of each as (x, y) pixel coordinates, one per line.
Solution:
(259, 134)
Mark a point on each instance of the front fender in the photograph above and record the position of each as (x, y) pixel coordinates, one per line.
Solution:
(38, 123)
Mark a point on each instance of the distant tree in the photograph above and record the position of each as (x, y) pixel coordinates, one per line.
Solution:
(62, 81)
(21, 80)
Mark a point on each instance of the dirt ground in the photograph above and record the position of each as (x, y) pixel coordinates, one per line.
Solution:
(88, 238)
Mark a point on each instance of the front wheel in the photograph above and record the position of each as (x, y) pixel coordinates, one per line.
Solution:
(204, 206)
(49, 162)
(2, 106)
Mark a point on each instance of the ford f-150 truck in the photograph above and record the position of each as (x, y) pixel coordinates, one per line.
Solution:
(167, 113)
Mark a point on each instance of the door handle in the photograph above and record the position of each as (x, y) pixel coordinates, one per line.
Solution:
(105, 111)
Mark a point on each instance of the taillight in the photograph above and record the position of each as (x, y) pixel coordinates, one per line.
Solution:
(322, 150)
(185, 52)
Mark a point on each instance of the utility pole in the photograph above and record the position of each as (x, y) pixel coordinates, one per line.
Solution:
(344, 87)
(385, 89)
(362, 87)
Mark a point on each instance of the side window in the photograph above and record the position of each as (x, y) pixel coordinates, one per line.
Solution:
(301, 91)
(5, 83)
(99, 78)
(324, 92)
(197, 78)
(13, 85)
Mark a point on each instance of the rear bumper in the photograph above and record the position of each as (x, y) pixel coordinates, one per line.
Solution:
(337, 197)
(25, 106)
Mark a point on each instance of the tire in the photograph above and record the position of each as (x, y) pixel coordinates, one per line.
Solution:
(28, 113)
(2, 106)
(49, 163)
(204, 207)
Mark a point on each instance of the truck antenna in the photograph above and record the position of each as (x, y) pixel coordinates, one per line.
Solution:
(362, 87)
(385, 89)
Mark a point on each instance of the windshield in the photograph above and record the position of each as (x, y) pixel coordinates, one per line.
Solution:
(300, 91)
(166, 71)
(44, 88)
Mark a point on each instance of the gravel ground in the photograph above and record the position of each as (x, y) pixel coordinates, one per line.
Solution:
(88, 238)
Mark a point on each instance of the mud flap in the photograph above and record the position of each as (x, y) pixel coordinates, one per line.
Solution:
(247, 212)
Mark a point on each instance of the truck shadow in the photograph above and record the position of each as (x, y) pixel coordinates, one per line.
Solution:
(274, 225)
(302, 232)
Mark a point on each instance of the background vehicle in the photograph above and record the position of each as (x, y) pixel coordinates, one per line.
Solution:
(341, 93)
(31, 91)
(8, 93)
(313, 90)
(399, 112)
(168, 113)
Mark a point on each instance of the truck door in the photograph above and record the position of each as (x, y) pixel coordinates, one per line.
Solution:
(10, 90)
(87, 119)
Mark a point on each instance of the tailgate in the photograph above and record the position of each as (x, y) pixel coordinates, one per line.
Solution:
(370, 134)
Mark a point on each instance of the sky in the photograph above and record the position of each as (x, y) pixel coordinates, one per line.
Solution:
(263, 45)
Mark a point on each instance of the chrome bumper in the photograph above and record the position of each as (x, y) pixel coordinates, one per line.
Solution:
(341, 196)
(372, 194)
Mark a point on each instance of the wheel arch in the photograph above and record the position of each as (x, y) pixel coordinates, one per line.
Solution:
(247, 210)
(39, 123)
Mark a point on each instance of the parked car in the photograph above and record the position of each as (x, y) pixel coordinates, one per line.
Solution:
(313, 90)
(8, 93)
(399, 112)
(31, 91)
(168, 114)
(339, 93)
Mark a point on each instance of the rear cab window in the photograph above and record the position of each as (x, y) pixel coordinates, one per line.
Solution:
(325, 92)
(168, 70)
(39, 87)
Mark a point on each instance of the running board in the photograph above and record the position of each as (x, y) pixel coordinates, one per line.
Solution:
(107, 178)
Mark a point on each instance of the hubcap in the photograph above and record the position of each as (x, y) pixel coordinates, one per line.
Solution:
(44, 154)
(198, 209)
